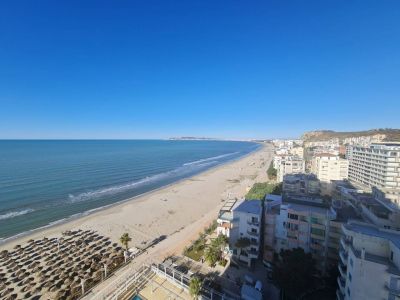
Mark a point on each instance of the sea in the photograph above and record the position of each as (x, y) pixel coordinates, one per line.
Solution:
(46, 182)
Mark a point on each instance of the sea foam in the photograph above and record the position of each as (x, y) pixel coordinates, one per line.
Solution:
(147, 180)
(13, 214)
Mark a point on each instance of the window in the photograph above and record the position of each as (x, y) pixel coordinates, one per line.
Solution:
(293, 217)
(350, 277)
(391, 255)
(351, 262)
(348, 292)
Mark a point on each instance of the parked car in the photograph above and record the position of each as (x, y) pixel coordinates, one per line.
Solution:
(258, 285)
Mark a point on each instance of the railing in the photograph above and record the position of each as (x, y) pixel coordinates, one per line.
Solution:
(182, 280)
(339, 295)
(253, 223)
(393, 290)
(341, 284)
(343, 270)
(252, 233)
(343, 257)
(122, 284)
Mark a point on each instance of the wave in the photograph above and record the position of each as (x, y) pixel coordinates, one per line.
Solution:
(14, 214)
(210, 158)
(147, 180)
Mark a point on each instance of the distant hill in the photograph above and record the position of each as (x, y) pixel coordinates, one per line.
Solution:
(392, 135)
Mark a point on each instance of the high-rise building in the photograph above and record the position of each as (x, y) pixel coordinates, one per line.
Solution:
(377, 166)
(369, 263)
(329, 167)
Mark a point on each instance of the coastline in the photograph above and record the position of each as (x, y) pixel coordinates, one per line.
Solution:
(90, 219)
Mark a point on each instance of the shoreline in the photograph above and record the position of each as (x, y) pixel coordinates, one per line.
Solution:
(77, 216)
(87, 219)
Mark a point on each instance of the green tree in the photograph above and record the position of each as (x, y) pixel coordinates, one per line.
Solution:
(195, 287)
(294, 272)
(212, 254)
(272, 172)
(220, 242)
(260, 189)
(125, 239)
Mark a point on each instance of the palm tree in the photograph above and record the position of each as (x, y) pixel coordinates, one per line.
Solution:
(195, 287)
(125, 239)
(212, 255)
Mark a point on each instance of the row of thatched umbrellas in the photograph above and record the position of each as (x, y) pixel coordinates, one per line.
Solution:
(57, 268)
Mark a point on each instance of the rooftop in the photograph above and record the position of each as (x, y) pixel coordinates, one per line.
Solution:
(307, 207)
(299, 176)
(272, 198)
(249, 206)
(325, 154)
(347, 213)
(371, 230)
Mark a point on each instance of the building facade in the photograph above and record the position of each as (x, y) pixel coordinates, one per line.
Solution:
(300, 184)
(310, 226)
(369, 263)
(329, 167)
(244, 239)
(290, 165)
(376, 166)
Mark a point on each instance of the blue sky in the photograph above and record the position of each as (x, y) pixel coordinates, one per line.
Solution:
(232, 69)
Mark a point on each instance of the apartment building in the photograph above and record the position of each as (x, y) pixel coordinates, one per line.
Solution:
(329, 167)
(311, 226)
(225, 218)
(369, 264)
(277, 160)
(377, 166)
(290, 165)
(300, 184)
(349, 152)
(245, 233)
(297, 151)
(377, 211)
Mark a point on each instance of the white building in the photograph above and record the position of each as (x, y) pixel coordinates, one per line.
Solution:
(377, 166)
(369, 263)
(225, 218)
(247, 228)
(297, 151)
(329, 167)
(290, 165)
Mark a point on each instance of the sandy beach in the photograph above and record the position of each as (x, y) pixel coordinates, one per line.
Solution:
(192, 203)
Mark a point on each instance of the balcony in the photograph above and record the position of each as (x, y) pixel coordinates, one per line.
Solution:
(344, 243)
(343, 270)
(343, 257)
(253, 223)
(316, 246)
(394, 290)
(251, 233)
(318, 226)
(339, 295)
(341, 284)
(335, 234)
(318, 237)
(254, 243)
(253, 253)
